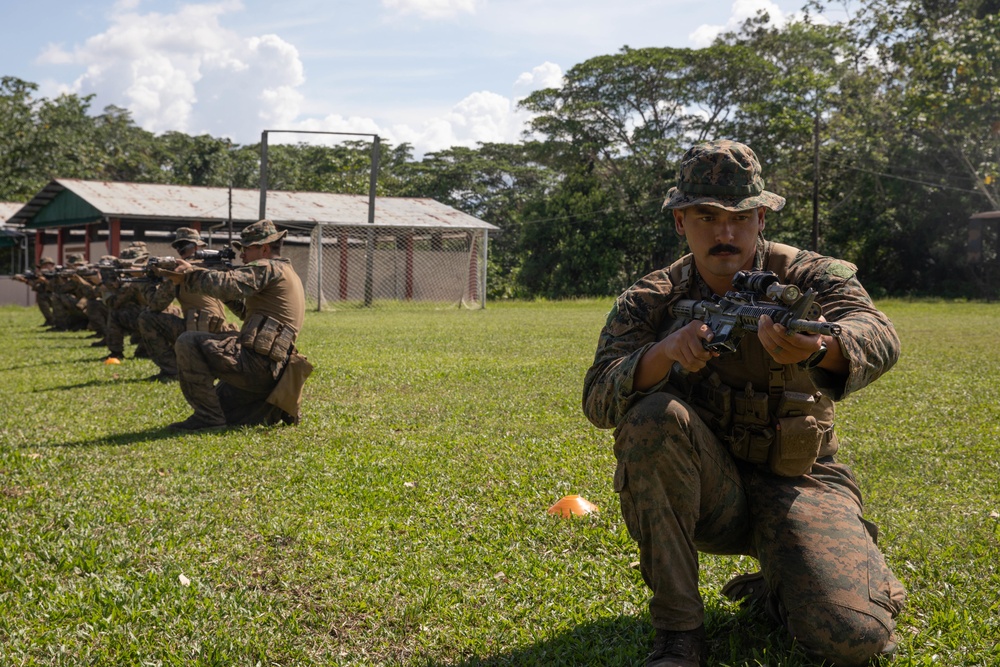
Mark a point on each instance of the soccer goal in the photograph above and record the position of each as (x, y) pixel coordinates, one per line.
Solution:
(369, 264)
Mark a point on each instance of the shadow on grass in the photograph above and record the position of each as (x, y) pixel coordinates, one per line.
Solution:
(120, 439)
(734, 639)
(59, 362)
(98, 383)
(609, 641)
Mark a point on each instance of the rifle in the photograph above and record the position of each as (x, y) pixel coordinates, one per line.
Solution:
(217, 258)
(220, 260)
(754, 293)
(27, 277)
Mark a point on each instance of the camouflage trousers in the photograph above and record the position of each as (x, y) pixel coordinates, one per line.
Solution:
(97, 316)
(160, 331)
(68, 312)
(122, 320)
(246, 378)
(44, 302)
(681, 492)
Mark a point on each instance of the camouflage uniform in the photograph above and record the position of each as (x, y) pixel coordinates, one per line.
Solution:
(267, 295)
(125, 301)
(161, 323)
(69, 306)
(683, 489)
(90, 287)
(40, 285)
(43, 298)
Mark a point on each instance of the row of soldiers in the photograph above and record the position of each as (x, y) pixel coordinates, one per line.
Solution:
(124, 296)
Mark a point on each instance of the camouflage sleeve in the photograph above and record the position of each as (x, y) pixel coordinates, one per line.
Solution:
(868, 339)
(82, 289)
(160, 295)
(632, 327)
(234, 285)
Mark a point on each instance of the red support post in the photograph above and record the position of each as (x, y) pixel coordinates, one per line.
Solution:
(408, 243)
(114, 236)
(60, 242)
(342, 242)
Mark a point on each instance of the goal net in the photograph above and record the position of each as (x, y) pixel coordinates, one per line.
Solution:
(372, 264)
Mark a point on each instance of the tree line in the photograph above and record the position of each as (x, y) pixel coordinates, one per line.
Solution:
(882, 131)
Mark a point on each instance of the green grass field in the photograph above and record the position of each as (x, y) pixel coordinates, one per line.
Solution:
(404, 522)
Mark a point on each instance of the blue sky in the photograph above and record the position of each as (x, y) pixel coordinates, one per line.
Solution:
(435, 73)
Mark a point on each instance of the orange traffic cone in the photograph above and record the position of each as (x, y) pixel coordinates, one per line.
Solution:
(568, 505)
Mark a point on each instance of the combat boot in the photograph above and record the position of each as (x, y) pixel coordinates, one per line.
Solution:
(679, 648)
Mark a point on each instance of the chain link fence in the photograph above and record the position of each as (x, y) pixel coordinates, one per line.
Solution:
(369, 265)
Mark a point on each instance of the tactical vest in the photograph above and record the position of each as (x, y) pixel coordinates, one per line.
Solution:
(274, 315)
(201, 312)
(764, 411)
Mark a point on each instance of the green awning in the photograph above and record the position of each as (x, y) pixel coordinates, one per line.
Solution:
(65, 210)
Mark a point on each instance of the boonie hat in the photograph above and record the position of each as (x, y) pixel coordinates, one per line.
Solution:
(75, 258)
(721, 173)
(187, 235)
(259, 233)
(45, 260)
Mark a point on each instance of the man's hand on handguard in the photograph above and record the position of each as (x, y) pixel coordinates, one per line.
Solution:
(791, 348)
(784, 346)
(176, 274)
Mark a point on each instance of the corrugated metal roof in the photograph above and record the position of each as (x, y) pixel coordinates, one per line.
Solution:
(8, 209)
(139, 201)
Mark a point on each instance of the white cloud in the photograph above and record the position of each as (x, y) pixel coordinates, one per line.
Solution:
(432, 9)
(185, 72)
(480, 117)
(546, 75)
(741, 11)
(331, 123)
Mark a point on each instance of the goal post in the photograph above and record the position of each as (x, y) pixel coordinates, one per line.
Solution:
(422, 251)
(366, 265)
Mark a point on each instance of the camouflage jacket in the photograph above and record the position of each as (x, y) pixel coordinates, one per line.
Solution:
(163, 294)
(640, 318)
(124, 295)
(266, 286)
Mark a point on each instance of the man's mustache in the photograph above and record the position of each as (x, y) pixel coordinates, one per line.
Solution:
(723, 247)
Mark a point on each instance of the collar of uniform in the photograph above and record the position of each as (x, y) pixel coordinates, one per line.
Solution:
(760, 257)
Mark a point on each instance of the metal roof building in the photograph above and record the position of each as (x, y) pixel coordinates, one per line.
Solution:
(400, 251)
(73, 210)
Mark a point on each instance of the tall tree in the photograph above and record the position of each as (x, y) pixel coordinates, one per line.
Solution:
(494, 182)
(924, 145)
(128, 151)
(42, 139)
(786, 86)
(17, 132)
(622, 119)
